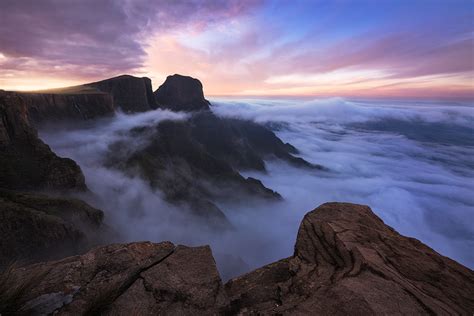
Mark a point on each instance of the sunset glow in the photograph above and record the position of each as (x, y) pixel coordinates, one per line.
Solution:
(350, 48)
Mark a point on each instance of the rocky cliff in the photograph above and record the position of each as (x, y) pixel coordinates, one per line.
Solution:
(26, 162)
(67, 106)
(181, 93)
(129, 93)
(90, 101)
(346, 261)
(197, 161)
(35, 226)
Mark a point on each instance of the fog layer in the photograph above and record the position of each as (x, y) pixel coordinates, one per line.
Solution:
(410, 161)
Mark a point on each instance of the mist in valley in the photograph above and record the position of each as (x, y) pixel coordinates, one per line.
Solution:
(410, 162)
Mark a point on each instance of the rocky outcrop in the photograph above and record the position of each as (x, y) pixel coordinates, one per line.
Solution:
(129, 93)
(26, 163)
(38, 227)
(346, 261)
(181, 93)
(67, 106)
(131, 279)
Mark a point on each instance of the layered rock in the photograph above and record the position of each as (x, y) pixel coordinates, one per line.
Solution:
(90, 101)
(67, 106)
(26, 163)
(131, 279)
(346, 261)
(129, 93)
(181, 93)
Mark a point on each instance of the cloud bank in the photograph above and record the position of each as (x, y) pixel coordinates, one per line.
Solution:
(421, 187)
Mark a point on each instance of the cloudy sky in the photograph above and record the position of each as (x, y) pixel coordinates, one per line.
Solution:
(323, 48)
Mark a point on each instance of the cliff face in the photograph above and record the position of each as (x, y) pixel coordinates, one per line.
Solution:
(35, 226)
(130, 94)
(51, 107)
(26, 162)
(90, 101)
(346, 261)
(181, 93)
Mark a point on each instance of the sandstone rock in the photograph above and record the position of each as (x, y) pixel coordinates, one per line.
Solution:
(131, 94)
(347, 261)
(181, 93)
(131, 279)
(26, 162)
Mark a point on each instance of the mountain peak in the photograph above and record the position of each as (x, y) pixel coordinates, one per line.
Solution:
(181, 93)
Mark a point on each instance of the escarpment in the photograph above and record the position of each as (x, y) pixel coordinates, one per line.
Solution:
(90, 101)
(346, 261)
(196, 161)
(26, 162)
(129, 93)
(67, 106)
(35, 226)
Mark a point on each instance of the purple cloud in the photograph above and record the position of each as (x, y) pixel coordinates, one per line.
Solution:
(100, 37)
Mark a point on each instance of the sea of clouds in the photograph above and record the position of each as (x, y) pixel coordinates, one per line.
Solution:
(411, 162)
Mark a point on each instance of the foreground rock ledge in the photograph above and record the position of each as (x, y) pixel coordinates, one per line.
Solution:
(346, 261)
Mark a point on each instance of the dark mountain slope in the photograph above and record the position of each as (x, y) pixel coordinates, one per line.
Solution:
(25, 161)
(35, 226)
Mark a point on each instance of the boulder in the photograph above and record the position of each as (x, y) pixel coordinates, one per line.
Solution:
(181, 93)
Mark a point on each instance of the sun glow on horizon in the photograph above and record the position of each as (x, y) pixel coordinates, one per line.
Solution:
(251, 48)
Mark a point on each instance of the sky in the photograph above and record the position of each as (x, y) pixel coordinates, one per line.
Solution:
(386, 48)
